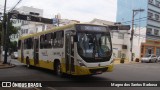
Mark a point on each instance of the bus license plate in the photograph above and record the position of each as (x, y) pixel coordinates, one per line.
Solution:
(99, 72)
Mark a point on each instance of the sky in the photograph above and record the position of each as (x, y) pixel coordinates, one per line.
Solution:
(82, 10)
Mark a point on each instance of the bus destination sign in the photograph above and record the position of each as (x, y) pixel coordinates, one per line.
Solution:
(94, 28)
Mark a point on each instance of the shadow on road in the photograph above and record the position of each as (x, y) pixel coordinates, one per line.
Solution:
(71, 77)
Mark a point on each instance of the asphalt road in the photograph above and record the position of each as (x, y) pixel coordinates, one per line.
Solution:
(122, 72)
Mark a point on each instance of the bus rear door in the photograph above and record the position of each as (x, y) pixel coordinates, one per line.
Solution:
(36, 51)
(69, 54)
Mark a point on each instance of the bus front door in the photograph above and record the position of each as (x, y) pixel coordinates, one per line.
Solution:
(36, 51)
(69, 55)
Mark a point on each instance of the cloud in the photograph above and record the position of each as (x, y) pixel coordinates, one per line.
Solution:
(83, 10)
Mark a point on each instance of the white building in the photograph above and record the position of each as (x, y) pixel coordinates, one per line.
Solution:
(67, 21)
(30, 11)
(26, 27)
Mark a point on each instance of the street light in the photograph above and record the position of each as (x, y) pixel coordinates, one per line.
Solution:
(132, 31)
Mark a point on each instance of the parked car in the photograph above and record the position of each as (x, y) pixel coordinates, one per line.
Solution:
(14, 55)
(149, 58)
(158, 58)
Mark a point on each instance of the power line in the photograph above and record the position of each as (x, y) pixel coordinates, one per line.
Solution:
(15, 6)
(136, 35)
(134, 20)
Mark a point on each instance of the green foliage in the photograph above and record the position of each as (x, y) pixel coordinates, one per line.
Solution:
(11, 30)
(13, 46)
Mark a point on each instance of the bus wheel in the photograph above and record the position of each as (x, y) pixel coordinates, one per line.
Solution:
(28, 63)
(58, 69)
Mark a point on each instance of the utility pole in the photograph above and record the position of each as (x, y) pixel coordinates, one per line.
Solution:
(4, 31)
(6, 41)
(1, 50)
(132, 31)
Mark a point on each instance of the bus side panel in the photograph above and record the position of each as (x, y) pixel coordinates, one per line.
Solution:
(44, 59)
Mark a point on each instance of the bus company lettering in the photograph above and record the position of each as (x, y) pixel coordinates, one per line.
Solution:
(26, 84)
(45, 53)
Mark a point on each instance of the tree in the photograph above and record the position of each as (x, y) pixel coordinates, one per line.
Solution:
(13, 46)
(11, 30)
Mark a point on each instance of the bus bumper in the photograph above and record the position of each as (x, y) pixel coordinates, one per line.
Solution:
(94, 71)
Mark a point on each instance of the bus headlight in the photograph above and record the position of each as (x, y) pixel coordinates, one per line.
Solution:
(81, 63)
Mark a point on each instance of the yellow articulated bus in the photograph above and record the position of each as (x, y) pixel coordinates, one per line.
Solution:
(77, 49)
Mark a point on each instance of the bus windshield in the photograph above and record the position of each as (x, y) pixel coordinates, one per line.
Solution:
(94, 47)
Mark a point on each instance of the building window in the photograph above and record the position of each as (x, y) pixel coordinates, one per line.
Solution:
(119, 54)
(120, 36)
(149, 31)
(26, 31)
(150, 1)
(150, 15)
(111, 34)
(157, 3)
(43, 27)
(36, 29)
(156, 16)
(158, 51)
(156, 32)
(149, 50)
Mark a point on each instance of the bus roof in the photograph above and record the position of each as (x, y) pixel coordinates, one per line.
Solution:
(47, 31)
(55, 29)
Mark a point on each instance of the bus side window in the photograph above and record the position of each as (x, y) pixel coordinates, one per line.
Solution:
(25, 44)
(54, 40)
(58, 39)
(29, 43)
(19, 44)
(48, 40)
(61, 39)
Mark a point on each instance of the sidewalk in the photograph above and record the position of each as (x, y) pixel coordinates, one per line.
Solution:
(117, 61)
(8, 65)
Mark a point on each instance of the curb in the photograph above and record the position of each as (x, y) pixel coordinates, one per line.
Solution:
(126, 63)
(9, 66)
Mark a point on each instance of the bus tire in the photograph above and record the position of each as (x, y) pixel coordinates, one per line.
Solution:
(28, 63)
(57, 68)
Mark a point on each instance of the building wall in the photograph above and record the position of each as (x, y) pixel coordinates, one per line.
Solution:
(153, 18)
(141, 22)
(117, 43)
(152, 45)
(24, 26)
(27, 10)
